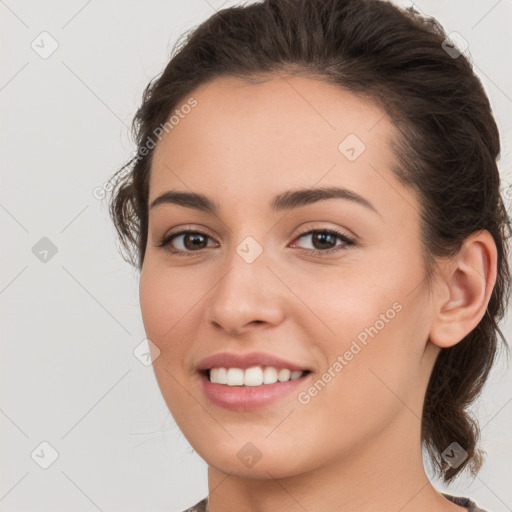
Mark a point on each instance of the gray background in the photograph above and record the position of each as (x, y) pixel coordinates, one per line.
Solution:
(70, 324)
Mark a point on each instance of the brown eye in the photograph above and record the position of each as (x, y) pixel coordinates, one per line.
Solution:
(326, 240)
(193, 241)
(185, 242)
(322, 240)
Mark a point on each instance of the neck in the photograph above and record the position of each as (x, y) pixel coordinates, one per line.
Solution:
(385, 474)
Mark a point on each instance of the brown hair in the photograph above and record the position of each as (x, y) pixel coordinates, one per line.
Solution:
(447, 150)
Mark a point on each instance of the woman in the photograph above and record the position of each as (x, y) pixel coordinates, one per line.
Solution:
(314, 207)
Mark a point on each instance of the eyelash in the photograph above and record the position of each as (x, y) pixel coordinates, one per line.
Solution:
(347, 242)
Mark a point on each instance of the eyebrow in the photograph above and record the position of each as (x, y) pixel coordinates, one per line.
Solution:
(285, 201)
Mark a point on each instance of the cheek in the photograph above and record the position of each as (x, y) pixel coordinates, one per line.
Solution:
(380, 324)
(166, 302)
(153, 304)
(167, 315)
(165, 309)
(366, 384)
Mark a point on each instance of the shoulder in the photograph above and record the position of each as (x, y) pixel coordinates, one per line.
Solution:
(199, 507)
(464, 502)
(458, 500)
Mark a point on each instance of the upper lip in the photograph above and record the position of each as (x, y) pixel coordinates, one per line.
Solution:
(244, 361)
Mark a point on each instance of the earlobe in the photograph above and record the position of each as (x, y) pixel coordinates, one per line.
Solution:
(467, 281)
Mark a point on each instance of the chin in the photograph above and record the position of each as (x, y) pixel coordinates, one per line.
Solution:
(246, 460)
(260, 471)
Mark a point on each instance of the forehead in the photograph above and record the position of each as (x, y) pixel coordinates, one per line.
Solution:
(258, 138)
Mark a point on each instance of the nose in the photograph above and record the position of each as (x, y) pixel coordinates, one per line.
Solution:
(248, 296)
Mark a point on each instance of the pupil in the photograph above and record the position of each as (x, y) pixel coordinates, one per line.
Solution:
(322, 237)
(196, 240)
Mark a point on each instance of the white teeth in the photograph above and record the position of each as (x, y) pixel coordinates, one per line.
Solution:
(235, 377)
(254, 376)
(219, 375)
(284, 375)
(269, 375)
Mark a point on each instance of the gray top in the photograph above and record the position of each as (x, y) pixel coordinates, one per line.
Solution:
(202, 506)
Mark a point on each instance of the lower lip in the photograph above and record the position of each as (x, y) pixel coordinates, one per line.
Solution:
(248, 398)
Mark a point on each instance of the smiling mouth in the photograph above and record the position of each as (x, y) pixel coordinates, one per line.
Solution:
(253, 376)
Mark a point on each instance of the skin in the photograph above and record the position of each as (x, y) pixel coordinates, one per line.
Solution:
(356, 445)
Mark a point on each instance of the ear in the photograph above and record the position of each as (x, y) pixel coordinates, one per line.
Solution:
(465, 284)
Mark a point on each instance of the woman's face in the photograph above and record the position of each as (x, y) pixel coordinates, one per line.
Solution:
(263, 278)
